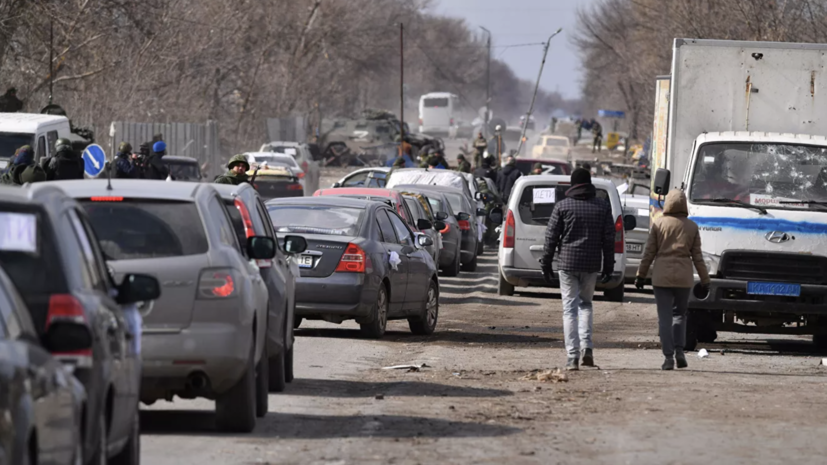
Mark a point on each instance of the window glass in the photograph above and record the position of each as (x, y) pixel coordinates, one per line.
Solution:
(265, 218)
(51, 138)
(357, 180)
(321, 219)
(95, 278)
(11, 141)
(402, 231)
(37, 271)
(219, 215)
(238, 224)
(41, 148)
(435, 102)
(539, 214)
(388, 234)
(12, 324)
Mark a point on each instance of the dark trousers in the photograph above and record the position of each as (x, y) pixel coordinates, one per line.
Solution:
(672, 303)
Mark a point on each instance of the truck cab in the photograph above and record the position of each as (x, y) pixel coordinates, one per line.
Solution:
(35, 129)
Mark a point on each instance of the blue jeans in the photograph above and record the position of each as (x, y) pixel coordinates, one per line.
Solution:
(577, 289)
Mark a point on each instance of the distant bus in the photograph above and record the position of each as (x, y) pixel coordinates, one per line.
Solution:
(437, 112)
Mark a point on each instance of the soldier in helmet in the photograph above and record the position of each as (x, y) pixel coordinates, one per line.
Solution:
(462, 164)
(66, 164)
(124, 168)
(237, 173)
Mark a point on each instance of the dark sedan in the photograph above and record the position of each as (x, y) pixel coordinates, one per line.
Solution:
(362, 262)
(450, 255)
(183, 168)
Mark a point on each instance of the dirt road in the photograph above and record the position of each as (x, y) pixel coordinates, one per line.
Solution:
(752, 401)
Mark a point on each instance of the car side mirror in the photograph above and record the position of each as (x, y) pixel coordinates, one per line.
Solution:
(439, 225)
(138, 288)
(441, 216)
(295, 244)
(481, 212)
(423, 224)
(662, 178)
(629, 222)
(67, 336)
(261, 248)
(478, 195)
(463, 216)
(337, 184)
(496, 216)
(424, 241)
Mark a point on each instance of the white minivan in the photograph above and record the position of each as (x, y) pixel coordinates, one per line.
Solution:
(35, 129)
(523, 234)
(437, 112)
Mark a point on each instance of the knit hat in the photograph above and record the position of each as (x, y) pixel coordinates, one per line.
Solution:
(580, 176)
(24, 155)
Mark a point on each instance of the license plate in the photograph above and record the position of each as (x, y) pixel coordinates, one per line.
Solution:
(306, 261)
(637, 248)
(785, 289)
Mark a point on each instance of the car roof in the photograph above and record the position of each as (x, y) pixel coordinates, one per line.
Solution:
(433, 187)
(377, 192)
(132, 188)
(284, 143)
(561, 179)
(329, 201)
(179, 158)
(546, 161)
(27, 122)
(229, 190)
(9, 194)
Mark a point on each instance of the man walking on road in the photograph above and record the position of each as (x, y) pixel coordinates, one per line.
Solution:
(480, 145)
(581, 227)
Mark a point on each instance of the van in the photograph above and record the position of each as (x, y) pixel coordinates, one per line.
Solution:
(436, 113)
(522, 239)
(35, 129)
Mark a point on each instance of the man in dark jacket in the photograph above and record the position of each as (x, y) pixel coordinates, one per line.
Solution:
(66, 164)
(124, 168)
(581, 227)
(507, 177)
(155, 167)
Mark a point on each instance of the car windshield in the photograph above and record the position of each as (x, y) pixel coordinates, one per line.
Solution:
(28, 251)
(282, 149)
(780, 176)
(325, 220)
(183, 171)
(147, 229)
(552, 142)
(11, 141)
(276, 160)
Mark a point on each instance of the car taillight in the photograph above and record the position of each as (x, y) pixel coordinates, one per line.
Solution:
(66, 308)
(304, 167)
(300, 175)
(353, 260)
(464, 225)
(294, 187)
(619, 235)
(510, 225)
(106, 199)
(216, 284)
(249, 230)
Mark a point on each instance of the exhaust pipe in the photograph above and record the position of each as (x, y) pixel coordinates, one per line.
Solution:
(197, 381)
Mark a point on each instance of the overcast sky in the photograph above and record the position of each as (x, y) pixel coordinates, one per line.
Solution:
(515, 22)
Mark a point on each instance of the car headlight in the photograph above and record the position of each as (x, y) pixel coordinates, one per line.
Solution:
(712, 261)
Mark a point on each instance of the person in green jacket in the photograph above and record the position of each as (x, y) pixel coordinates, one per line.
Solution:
(536, 169)
(237, 174)
(462, 164)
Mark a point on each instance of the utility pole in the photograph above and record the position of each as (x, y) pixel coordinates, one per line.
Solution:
(51, 59)
(536, 88)
(487, 82)
(401, 87)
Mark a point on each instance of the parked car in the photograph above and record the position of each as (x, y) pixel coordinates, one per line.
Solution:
(265, 160)
(635, 201)
(301, 152)
(362, 262)
(549, 166)
(250, 218)
(366, 177)
(523, 234)
(41, 401)
(183, 168)
(422, 216)
(206, 335)
(275, 182)
(450, 253)
(63, 275)
(552, 147)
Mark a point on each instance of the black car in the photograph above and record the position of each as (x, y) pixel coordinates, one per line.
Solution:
(183, 168)
(42, 398)
(57, 266)
(362, 262)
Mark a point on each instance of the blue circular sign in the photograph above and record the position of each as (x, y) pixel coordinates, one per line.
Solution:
(94, 160)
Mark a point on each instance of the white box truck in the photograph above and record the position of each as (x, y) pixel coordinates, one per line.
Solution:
(745, 142)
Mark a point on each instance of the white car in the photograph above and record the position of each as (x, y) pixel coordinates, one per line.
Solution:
(523, 234)
(635, 199)
(301, 152)
(273, 160)
(556, 147)
(365, 177)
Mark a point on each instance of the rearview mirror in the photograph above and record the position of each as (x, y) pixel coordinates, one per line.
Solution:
(66, 336)
(439, 225)
(662, 178)
(629, 222)
(463, 216)
(496, 216)
(441, 216)
(424, 241)
(295, 244)
(481, 212)
(138, 288)
(423, 224)
(261, 248)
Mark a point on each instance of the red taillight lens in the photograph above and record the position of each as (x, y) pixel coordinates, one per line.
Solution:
(464, 225)
(216, 284)
(65, 307)
(353, 260)
(249, 230)
(106, 199)
(510, 226)
(294, 187)
(619, 235)
(300, 175)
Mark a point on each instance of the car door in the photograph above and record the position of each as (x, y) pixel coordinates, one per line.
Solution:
(397, 276)
(418, 271)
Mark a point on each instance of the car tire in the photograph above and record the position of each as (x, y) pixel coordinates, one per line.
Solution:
(375, 329)
(504, 287)
(99, 456)
(425, 324)
(277, 381)
(297, 321)
(480, 248)
(820, 341)
(455, 266)
(235, 410)
(131, 453)
(616, 294)
(470, 266)
(262, 387)
(288, 366)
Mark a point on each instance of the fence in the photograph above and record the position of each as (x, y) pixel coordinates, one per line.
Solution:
(287, 129)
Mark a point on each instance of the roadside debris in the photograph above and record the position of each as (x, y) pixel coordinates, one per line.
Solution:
(408, 368)
(824, 362)
(555, 376)
(703, 353)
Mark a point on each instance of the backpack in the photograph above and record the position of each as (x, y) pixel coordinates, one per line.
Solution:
(61, 167)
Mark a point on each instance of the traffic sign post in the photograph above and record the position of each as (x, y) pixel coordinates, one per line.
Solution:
(94, 160)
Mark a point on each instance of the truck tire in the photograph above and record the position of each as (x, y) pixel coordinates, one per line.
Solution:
(504, 287)
(616, 294)
(235, 410)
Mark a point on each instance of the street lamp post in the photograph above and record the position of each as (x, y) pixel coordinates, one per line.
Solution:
(487, 83)
(536, 88)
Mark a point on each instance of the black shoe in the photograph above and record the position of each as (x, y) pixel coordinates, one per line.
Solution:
(668, 364)
(588, 358)
(572, 364)
(680, 357)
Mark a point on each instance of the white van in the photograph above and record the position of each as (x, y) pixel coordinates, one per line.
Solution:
(436, 113)
(35, 129)
(523, 234)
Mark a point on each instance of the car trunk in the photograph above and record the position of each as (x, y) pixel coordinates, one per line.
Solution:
(531, 222)
(322, 255)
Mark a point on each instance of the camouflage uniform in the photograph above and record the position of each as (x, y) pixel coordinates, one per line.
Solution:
(537, 169)
(480, 144)
(230, 177)
(462, 164)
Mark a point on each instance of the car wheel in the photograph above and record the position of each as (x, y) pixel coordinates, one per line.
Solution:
(262, 386)
(455, 267)
(616, 294)
(425, 324)
(504, 287)
(297, 321)
(470, 266)
(288, 366)
(99, 456)
(375, 329)
(131, 453)
(277, 380)
(480, 248)
(235, 410)
(820, 341)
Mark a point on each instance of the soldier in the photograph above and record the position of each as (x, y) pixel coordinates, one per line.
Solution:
(123, 162)
(237, 171)
(66, 164)
(9, 103)
(480, 144)
(496, 146)
(597, 131)
(462, 164)
(536, 169)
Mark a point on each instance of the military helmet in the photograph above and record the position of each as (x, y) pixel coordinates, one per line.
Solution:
(125, 147)
(63, 144)
(238, 159)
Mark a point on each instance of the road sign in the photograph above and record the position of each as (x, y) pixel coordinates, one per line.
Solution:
(611, 114)
(94, 159)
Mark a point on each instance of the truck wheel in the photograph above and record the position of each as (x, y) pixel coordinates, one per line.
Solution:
(616, 294)
(235, 410)
(504, 287)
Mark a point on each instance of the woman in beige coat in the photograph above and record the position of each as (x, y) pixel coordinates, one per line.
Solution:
(674, 245)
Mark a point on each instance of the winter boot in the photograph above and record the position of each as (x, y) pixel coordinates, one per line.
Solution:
(588, 358)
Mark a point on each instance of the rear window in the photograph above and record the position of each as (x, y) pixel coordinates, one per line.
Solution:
(323, 219)
(147, 229)
(539, 213)
(525, 167)
(276, 161)
(435, 102)
(28, 251)
(183, 171)
(456, 202)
